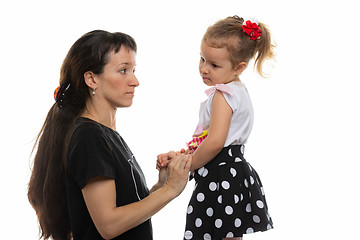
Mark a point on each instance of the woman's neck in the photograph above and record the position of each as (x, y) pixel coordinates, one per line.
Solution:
(101, 114)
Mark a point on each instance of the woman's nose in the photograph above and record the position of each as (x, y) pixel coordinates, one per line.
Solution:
(134, 81)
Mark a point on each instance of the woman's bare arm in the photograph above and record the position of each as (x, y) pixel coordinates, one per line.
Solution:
(111, 221)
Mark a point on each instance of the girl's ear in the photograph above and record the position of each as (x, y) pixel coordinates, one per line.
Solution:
(240, 68)
(89, 78)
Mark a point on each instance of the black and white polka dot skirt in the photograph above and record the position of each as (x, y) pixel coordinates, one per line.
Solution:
(228, 199)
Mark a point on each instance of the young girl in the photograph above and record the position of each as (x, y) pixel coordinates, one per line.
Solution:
(228, 200)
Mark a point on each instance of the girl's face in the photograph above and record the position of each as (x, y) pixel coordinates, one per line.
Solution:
(215, 66)
(116, 85)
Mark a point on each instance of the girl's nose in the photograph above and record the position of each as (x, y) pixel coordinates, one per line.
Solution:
(203, 69)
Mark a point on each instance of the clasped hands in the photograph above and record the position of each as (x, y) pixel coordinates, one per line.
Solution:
(174, 168)
(164, 159)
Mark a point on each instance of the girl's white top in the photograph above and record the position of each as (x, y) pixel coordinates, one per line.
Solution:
(243, 114)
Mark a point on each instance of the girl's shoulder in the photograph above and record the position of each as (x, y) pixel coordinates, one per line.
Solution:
(236, 85)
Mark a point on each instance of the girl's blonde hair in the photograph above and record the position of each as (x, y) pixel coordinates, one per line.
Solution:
(229, 33)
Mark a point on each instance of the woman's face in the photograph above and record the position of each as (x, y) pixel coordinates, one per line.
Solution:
(116, 85)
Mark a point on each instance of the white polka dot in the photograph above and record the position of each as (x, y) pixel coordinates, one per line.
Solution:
(236, 198)
(205, 173)
(233, 172)
(242, 149)
(250, 167)
(262, 191)
(188, 235)
(269, 226)
(207, 236)
(256, 218)
(237, 222)
(198, 222)
(190, 209)
(209, 212)
(230, 153)
(222, 163)
(200, 197)
(225, 185)
(260, 204)
(218, 223)
(229, 235)
(252, 180)
(241, 197)
(249, 230)
(238, 159)
(246, 183)
(220, 199)
(212, 186)
(248, 207)
(229, 210)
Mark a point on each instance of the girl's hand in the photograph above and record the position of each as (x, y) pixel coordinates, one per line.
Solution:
(164, 159)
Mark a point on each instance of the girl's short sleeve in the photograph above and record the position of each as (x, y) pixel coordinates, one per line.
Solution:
(231, 100)
(90, 155)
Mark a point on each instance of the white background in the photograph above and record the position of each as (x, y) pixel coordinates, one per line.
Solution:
(305, 139)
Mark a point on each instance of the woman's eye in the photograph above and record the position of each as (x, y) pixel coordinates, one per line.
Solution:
(202, 59)
(123, 71)
(134, 70)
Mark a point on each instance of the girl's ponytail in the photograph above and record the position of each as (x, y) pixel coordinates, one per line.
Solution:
(264, 48)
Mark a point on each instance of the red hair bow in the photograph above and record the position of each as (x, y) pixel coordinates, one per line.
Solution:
(252, 29)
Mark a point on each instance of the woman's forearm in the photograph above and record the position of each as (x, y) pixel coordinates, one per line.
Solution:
(129, 216)
(111, 221)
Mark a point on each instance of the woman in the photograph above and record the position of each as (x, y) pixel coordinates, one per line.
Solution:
(86, 183)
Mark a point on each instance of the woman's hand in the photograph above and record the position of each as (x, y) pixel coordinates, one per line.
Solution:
(162, 165)
(178, 172)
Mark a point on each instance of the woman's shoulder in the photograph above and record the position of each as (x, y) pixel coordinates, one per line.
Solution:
(87, 128)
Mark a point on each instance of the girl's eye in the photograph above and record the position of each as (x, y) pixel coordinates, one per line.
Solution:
(215, 66)
(134, 70)
(123, 71)
(202, 59)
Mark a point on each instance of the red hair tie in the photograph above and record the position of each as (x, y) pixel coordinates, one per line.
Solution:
(252, 29)
(56, 92)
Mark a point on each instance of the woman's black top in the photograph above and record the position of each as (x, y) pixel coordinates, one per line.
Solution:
(96, 150)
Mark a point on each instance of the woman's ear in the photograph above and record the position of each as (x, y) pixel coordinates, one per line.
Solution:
(240, 68)
(89, 78)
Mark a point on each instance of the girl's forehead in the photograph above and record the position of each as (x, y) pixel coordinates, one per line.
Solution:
(214, 53)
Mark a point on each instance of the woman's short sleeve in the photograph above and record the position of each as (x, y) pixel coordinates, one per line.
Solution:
(89, 155)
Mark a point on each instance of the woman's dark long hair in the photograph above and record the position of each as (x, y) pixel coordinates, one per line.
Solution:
(47, 186)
